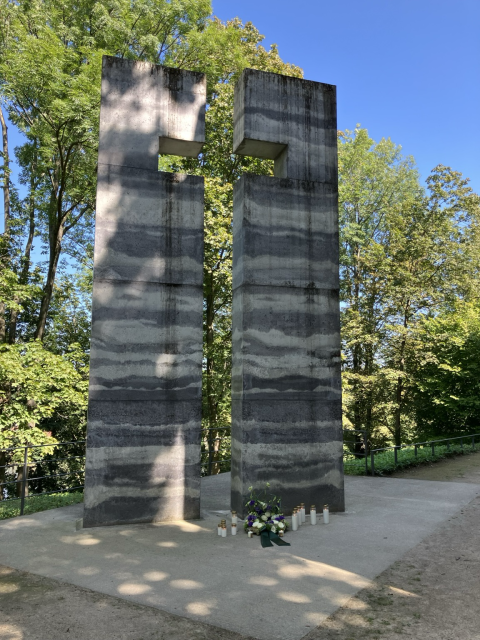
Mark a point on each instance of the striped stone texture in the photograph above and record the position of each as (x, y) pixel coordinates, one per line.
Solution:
(144, 414)
(286, 387)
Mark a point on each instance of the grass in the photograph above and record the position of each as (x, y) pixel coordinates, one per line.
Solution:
(33, 504)
(385, 461)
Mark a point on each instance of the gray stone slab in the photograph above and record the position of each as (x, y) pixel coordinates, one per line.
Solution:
(290, 120)
(149, 226)
(286, 385)
(147, 109)
(285, 233)
(186, 569)
(146, 341)
(144, 420)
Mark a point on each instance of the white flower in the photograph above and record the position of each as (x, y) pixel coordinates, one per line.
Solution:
(272, 529)
(281, 525)
(268, 514)
(264, 518)
(257, 523)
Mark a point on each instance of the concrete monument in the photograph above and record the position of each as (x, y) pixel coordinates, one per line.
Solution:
(286, 389)
(143, 444)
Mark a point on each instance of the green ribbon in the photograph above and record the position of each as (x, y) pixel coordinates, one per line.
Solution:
(267, 537)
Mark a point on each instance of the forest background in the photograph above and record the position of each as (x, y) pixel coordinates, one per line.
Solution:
(409, 253)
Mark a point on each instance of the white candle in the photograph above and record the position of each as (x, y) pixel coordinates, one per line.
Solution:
(299, 515)
(224, 532)
(302, 511)
(234, 529)
(219, 529)
(326, 514)
(234, 517)
(250, 534)
(294, 520)
(313, 515)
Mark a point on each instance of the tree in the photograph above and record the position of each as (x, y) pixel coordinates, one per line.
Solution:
(37, 386)
(407, 254)
(446, 374)
(374, 179)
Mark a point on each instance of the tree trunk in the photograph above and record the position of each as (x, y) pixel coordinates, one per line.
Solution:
(6, 206)
(400, 386)
(6, 169)
(12, 330)
(213, 443)
(20, 481)
(357, 415)
(55, 250)
(3, 462)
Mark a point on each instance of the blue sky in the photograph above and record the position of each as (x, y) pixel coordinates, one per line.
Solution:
(404, 69)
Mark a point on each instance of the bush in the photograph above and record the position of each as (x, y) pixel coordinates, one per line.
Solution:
(33, 504)
(385, 460)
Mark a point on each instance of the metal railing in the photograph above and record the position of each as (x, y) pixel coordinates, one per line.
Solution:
(45, 467)
(415, 446)
(62, 473)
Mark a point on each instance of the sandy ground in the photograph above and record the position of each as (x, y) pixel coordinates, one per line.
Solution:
(433, 592)
(37, 608)
(463, 468)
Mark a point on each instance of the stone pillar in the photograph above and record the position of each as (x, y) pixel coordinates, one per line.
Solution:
(144, 413)
(286, 387)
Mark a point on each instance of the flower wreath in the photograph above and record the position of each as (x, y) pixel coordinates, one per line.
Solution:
(264, 514)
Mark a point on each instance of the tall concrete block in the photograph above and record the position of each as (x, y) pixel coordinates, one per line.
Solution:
(144, 414)
(286, 387)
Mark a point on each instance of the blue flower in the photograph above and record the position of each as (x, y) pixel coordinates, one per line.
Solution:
(251, 503)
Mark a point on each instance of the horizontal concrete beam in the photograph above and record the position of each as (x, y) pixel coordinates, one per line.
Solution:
(290, 120)
(147, 109)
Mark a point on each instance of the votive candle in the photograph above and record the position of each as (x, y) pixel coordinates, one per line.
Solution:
(219, 529)
(250, 534)
(302, 511)
(224, 531)
(294, 520)
(326, 514)
(234, 517)
(313, 514)
(234, 528)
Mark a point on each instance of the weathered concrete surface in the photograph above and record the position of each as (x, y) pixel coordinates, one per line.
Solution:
(143, 441)
(147, 109)
(286, 387)
(289, 120)
(184, 568)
